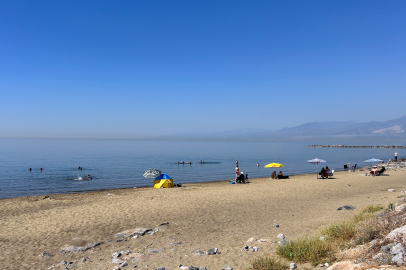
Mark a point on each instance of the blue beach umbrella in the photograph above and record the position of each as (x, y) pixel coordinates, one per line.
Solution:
(373, 160)
(316, 161)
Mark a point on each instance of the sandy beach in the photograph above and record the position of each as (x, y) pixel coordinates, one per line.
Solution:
(200, 216)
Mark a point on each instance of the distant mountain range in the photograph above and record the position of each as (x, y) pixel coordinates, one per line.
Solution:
(395, 127)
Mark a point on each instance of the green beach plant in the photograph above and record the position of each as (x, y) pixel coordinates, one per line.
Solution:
(308, 249)
(268, 263)
(368, 224)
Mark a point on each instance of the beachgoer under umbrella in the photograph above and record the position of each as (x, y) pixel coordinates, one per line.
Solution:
(373, 171)
(324, 173)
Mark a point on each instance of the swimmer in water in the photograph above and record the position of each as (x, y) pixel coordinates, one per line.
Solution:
(88, 177)
(41, 169)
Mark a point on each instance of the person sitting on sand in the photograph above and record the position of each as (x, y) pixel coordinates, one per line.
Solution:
(281, 176)
(273, 175)
(323, 173)
(373, 171)
(240, 179)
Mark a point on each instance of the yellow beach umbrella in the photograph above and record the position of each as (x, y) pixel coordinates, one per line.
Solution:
(273, 165)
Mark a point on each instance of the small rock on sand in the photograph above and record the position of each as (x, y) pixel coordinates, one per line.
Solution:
(346, 207)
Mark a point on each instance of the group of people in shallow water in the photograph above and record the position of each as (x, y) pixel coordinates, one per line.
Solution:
(41, 169)
(88, 177)
(190, 162)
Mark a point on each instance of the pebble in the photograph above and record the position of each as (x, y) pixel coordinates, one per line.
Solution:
(63, 263)
(83, 259)
(264, 241)
(283, 242)
(124, 264)
(227, 267)
(46, 254)
(276, 225)
(212, 251)
(116, 254)
(161, 268)
(193, 268)
(183, 267)
(292, 266)
(202, 268)
(254, 249)
(155, 250)
(346, 207)
(80, 249)
(133, 232)
(391, 190)
(200, 252)
(252, 239)
(52, 267)
(118, 261)
(245, 248)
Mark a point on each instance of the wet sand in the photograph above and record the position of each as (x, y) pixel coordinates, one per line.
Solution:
(200, 216)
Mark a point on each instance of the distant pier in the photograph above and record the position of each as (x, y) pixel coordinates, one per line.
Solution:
(358, 146)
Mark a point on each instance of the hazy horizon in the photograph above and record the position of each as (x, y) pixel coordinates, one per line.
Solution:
(140, 69)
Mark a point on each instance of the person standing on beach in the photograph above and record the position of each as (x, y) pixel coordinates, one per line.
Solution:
(236, 163)
(396, 156)
(237, 171)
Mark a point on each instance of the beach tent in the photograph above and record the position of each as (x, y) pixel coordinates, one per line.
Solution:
(163, 181)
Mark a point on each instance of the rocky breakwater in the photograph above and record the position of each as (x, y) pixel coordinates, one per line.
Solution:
(358, 146)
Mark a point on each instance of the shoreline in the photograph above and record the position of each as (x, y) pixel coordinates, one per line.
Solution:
(200, 216)
(151, 186)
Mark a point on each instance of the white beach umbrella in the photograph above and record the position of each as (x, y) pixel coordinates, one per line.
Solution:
(316, 161)
(373, 160)
(151, 173)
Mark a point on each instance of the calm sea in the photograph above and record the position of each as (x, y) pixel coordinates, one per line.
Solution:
(120, 163)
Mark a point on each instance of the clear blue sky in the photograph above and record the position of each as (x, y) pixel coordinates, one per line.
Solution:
(119, 68)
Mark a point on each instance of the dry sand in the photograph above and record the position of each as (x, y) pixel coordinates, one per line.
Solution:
(201, 216)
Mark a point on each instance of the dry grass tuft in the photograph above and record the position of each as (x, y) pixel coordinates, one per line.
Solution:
(311, 250)
(267, 263)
